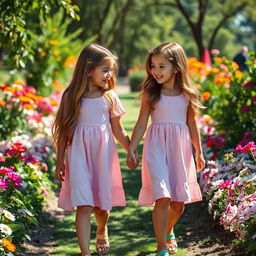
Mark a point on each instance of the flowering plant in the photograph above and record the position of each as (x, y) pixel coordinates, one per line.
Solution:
(229, 185)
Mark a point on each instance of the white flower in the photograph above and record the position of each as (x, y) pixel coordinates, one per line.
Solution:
(5, 229)
(9, 215)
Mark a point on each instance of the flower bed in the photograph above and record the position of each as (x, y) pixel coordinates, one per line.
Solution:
(25, 157)
(229, 185)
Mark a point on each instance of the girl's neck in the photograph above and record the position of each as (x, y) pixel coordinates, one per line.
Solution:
(93, 92)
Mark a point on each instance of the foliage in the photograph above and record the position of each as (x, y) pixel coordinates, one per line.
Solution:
(229, 185)
(55, 51)
(15, 16)
(136, 77)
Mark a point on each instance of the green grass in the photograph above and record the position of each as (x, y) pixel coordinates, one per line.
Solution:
(130, 228)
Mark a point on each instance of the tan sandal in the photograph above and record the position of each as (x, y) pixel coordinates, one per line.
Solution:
(103, 245)
(172, 247)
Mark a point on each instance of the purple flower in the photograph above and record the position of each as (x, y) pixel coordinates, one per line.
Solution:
(249, 84)
(245, 109)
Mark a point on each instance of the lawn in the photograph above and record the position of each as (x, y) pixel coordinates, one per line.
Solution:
(130, 228)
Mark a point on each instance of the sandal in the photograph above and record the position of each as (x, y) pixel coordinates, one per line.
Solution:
(162, 253)
(172, 247)
(102, 248)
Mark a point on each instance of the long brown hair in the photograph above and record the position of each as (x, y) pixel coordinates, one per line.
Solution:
(176, 55)
(66, 118)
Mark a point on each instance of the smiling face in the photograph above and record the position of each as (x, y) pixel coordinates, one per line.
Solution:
(162, 70)
(101, 75)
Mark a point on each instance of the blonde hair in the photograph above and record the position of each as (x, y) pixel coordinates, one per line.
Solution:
(66, 118)
(176, 55)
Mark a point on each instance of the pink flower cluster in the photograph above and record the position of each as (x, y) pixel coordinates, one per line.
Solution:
(8, 177)
(251, 146)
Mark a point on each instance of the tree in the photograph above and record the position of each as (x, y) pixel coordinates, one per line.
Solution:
(14, 30)
(195, 13)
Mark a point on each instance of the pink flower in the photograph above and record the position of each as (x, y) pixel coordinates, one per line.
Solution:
(44, 191)
(223, 67)
(46, 149)
(254, 98)
(15, 178)
(45, 167)
(215, 51)
(250, 146)
(245, 109)
(225, 184)
(3, 184)
(5, 170)
(2, 159)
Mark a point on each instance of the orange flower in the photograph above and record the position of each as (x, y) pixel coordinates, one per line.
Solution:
(42, 54)
(2, 103)
(234, 65)
(226, 85)
(8, 245)
(70, 62)
(29, 106)
(18, 82)
(10, 89)
(53, 42)
(215, 70)
(34, 97)
(206, 95)
(24, 99)
(53, 102)
(220, 59)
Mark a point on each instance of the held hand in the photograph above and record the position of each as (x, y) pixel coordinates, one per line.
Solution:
(131, 161)
(200, 162)
(60, 171)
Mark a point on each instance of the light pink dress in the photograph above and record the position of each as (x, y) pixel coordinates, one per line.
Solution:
(168, 168)
(93, 175)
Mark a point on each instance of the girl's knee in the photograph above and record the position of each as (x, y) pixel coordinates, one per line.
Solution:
(164, 202)
(85, 210)
(98, 211)
(178, 206)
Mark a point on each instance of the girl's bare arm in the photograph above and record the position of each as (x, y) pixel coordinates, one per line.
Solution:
(195, 138)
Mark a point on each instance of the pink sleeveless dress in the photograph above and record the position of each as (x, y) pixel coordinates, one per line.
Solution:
(168, 167)
(93, 175)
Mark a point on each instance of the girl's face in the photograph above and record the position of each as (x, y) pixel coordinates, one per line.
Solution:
(162, 69)
(102, 74)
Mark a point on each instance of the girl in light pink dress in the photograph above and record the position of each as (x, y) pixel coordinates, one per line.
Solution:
(87, 161)
(168, 168)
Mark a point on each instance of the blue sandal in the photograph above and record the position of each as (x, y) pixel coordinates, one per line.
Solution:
(162, 253)
(172, 248)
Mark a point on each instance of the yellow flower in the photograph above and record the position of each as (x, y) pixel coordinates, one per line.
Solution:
(53, 42)
(55, 52)
(42, 54)
(55, 29)
(239, 74)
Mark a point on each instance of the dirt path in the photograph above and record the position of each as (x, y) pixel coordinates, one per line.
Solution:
(203, 235)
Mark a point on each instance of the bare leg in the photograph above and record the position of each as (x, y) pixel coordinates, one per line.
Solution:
(83, 228)
(102, 217)
(175, 211)
(160, 220)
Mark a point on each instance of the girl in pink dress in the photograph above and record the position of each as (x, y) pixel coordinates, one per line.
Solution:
(168, 168)
(87, 161)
